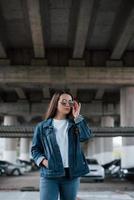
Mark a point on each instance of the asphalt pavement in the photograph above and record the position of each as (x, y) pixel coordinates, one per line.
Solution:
(85, 195)
(26, 187)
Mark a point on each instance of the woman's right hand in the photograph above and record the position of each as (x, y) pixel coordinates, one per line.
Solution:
(45, 162)
(76, 109)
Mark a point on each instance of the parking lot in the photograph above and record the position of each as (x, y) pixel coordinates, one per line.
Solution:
(26, 187)
(30, 181)
(82, 195)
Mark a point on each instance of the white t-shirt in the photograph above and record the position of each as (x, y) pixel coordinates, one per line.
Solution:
(61, 133)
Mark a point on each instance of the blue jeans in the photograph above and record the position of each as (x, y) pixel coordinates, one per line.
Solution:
(51, 188)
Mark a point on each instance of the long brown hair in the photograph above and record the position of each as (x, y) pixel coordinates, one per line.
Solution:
(52, 108)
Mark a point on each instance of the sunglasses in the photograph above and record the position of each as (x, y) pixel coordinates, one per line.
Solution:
(64, 103)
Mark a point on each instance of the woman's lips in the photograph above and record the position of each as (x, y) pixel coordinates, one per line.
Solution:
(67, 108)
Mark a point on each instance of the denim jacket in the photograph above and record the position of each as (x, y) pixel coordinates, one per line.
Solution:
(44, 145)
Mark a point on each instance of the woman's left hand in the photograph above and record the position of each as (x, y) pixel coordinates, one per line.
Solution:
(76, 109)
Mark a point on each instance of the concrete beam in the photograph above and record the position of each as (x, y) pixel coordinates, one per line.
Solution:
(38, 109)
(20, 93)
(36, 28)
(99, 94)
(3, 37)
(123, 29)
(1, 100)
(76, 63)
(67, 76)
(46, 93)
(83, 23)
(114, 63)
(25, 131)
(2, 51)
(74, 92)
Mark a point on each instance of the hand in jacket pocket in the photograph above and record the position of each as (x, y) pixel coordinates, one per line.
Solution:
(45, 162)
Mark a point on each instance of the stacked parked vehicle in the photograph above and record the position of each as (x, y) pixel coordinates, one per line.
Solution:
(113, 169)
(128, 173)
(26, 164)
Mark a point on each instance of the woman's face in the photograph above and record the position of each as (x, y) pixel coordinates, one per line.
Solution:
(65, 104)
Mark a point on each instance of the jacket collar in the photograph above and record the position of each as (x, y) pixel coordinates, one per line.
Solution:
(71, 123)
(48, 123)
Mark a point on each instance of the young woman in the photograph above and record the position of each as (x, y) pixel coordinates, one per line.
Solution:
(56, 148)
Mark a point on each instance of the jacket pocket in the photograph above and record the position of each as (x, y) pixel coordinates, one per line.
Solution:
(50, 164)
(81, 162)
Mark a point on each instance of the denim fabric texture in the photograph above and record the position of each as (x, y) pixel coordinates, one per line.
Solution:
(44, 145)
(51, 188)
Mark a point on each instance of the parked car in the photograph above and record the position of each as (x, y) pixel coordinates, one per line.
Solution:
(35, 167)
(2, 171)
(128, 173)
(113, 162)
(11, 169)
(96, 170)
(26, 164)
(113, 169)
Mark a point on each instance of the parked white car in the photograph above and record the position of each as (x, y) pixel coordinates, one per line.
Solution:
(97, 172)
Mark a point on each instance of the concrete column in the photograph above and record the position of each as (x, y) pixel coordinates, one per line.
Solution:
(107, 121)
(24, 149)
(127, 119)
(30, 145)
(10, 153)
(91, 148)
(98, 148)
(104, 146)
(2, 142)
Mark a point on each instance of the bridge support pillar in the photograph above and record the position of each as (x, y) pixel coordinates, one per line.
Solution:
(127, 119)
(24, 149)
(104, 146)
(10, 151)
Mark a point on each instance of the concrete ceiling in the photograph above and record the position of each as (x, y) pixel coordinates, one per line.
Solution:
(66, 29)
(82, 33)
